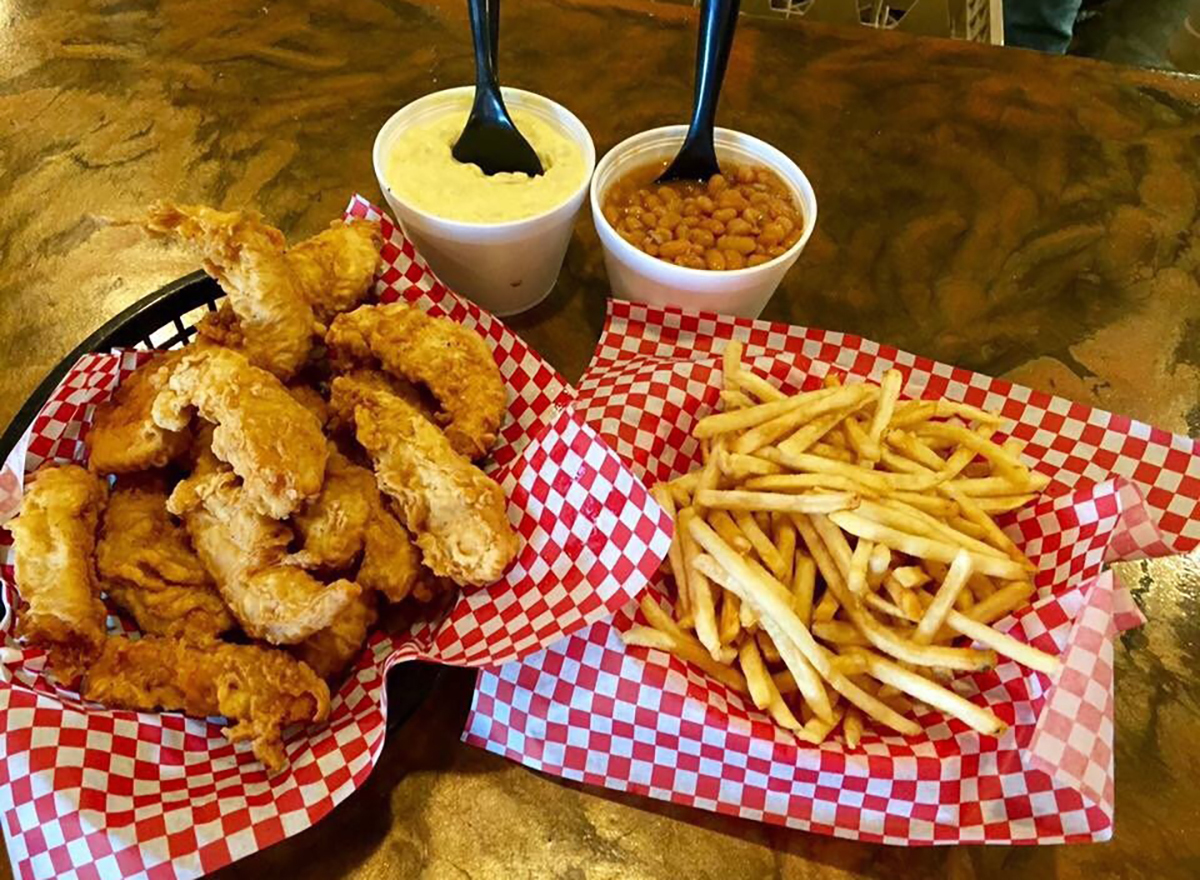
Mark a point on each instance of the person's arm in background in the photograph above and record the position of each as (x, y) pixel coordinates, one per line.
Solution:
(1045, 25)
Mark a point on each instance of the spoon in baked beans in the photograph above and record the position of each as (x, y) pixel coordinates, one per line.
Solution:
(697, 158)
(490, 138)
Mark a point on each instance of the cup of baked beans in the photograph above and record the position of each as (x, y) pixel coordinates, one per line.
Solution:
(721, 245)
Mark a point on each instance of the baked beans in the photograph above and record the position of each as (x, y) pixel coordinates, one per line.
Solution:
(741, 218)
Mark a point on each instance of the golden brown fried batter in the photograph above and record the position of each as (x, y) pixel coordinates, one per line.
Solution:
(331, 526)
(261, 689)
(123, 437)
(271, 441)
(53, 542)
(455, 511)
(275, 323)
(332, 649)
(149, 569)
(335, 269)
(451, 360)
(244, 552)
(310, 398)
(390, 562)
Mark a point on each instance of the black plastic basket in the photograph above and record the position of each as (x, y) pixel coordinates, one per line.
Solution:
(167, 319)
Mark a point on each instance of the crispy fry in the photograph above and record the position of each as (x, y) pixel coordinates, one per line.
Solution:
(767, 647)
(1001, 602)
(862, 444)
(811, 405)
(731, 362)
(839, 632)
(922, 547)
(757, 588)
(763, 546)
(758, 386)
(727, 529)
(993, 486)
(736, 400)
(974, 716)
(753, 416)
(1003, 503)
(889, 392)
(675, 554)
(736, 466)
(857, 579)
(943, 600)
(785, 544)
(852, 726)
(729, 621)
(800, 483)
(702, 606)
(913, 412)
(994, 534)
(1004, 644)
(912, 447)
(686, 648)
(736, 499)
(804, 582)
(828, 450)
(1004, 461)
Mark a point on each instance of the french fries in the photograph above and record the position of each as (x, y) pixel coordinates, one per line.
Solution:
(836, 557)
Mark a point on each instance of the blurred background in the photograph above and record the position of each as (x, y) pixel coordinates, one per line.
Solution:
(1161, 34)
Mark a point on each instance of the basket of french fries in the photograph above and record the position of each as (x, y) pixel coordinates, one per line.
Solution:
(885, 613)
(216, 551)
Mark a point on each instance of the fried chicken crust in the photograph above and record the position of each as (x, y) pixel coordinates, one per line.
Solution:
(335, 269)
(150, 571)
(271, 441)
(451, 360)
(244, 551)
(260, 689)
(275, 322)
(123, 437)
(331, 526)
(456, 513)
(332, 649)
(54, 538)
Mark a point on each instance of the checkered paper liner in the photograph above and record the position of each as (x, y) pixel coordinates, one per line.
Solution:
(94, 793)
(590, 709)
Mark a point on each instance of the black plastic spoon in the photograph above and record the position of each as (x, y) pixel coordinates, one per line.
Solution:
(697, 158)
(490, 139)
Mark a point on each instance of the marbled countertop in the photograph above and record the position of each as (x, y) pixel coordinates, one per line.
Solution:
(1020, 215)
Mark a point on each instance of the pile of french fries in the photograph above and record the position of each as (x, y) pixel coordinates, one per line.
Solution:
(835, 557)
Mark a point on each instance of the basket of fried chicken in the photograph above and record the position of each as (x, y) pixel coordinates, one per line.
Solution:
(218, 530)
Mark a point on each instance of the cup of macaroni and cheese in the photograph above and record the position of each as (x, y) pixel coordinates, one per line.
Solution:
(722, 245)
(499, 240)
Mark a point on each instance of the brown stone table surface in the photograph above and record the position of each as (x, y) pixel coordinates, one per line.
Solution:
(1020, 215)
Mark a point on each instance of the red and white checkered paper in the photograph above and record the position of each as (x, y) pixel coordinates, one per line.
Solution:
(93, 793)
(633, 719)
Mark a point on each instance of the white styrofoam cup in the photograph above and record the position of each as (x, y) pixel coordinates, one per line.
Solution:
(637, 276)
(504, 267)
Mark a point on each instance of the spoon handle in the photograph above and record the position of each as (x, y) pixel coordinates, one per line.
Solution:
(718, 20)
(493, 8)
(484, 41)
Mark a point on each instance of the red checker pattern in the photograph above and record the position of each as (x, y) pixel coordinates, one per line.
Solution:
(589, 709)
(91, 792)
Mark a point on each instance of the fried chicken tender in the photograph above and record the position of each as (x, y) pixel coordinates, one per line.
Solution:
(123, 437)
(451, 360)
(332, 524)
(455, 511)
(150, 571)
(335, 269)
(53, 542)
(244, 551)
(271, 441)
(390, 562)
(275, 322)
(332, 649)
(260, 689)
(310, 398)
